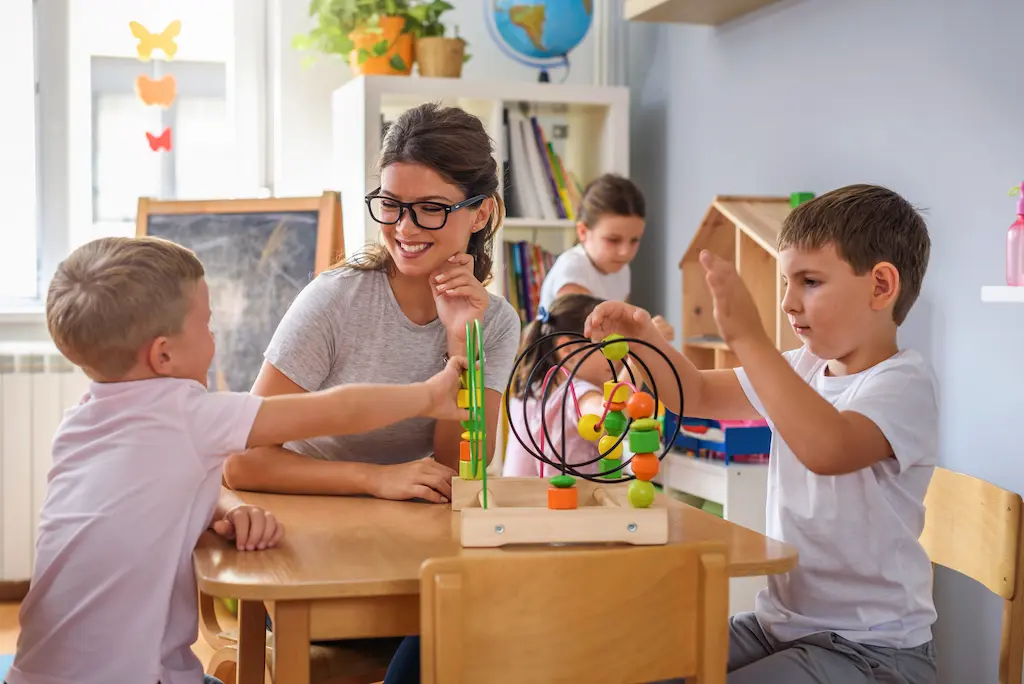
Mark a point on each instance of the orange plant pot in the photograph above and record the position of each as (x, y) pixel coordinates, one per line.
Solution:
(384, 52)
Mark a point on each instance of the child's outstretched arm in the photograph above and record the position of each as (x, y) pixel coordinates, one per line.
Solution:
(349, 409)
(707, 394)
(827, 441)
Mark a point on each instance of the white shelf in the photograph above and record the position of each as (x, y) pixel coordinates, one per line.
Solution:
(598, 142)
(538, 224)
(1004, 294)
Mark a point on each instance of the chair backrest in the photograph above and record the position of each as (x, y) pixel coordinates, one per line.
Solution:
(620, 614)
(974, 527)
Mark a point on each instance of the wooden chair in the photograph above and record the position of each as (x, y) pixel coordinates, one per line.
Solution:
(356, 661)
(974, 527)
(612, 615)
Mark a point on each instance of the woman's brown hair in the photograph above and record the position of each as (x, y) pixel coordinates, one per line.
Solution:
(453, 143)
(611, 195)
(568, 314)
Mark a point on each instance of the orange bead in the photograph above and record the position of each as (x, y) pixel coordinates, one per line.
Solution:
(640, 405)
(615, 405)
(464, 452)
(645, 466)
(562, 499)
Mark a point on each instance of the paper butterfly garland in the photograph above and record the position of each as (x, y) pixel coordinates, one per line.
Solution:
(148, 42)
(160, 92)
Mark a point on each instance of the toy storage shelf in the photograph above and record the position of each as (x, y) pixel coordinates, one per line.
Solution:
(742, 230)
(1002, 294)
(595, 120)
(740, 488)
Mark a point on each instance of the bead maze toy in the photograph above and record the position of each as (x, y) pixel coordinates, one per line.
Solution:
(573, 506)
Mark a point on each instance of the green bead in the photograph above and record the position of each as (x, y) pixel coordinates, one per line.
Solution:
(615, 423)
(562, 481)
(615, 351)
(467, 424)
(646, 442)
(640, 494)
(607, 464)
(645, 425)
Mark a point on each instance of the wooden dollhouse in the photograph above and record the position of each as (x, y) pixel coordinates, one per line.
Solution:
(743, 230)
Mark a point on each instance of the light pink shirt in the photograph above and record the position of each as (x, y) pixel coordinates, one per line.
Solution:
(519, 462)
(135, 480)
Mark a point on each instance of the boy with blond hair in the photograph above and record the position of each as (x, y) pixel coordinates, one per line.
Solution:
(854, 423)
(137, 465)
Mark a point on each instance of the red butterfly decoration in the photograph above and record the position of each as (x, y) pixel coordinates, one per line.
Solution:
(163, 141)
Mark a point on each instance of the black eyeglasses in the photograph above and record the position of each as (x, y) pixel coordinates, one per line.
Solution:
(426, 215)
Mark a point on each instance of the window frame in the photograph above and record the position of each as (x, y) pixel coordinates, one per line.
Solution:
(62, 197)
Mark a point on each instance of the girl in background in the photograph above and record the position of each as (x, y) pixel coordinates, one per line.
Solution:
(567, 314)
(609, 230)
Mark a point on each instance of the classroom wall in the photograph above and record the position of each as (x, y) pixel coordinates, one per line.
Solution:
(923, 97)
(302, 162)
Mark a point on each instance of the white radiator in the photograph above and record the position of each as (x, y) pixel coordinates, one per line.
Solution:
(36, 385)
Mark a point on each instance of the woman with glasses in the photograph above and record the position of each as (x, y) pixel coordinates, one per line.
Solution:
(393, 313)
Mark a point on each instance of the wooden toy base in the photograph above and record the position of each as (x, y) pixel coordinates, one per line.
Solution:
(517, 513)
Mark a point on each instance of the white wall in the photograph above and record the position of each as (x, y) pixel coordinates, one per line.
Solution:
(917, 95)
(302, 152)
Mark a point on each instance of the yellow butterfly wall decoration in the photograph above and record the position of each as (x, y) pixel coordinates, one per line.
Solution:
(148, 42)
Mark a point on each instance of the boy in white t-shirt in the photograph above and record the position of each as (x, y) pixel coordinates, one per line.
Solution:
(854, 421)
(137, 465)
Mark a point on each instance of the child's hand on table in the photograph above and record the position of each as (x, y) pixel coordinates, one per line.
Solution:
(621, 318)
(443, 391)
(250, 527)
(735, 311)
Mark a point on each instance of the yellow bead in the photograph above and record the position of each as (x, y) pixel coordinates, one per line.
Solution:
(606, 443)
(588, 427)
(621, 394)
(462, 400)
(616, 350)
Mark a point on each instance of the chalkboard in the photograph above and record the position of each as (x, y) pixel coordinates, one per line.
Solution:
(258, 255)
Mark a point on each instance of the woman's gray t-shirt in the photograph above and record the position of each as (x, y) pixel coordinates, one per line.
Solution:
(346, 327)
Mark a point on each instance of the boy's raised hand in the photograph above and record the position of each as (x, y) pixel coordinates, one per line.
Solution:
(735, 311)
(443, 390)
(618, 317)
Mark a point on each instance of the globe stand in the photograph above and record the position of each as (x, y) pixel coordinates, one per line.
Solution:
(543, 77)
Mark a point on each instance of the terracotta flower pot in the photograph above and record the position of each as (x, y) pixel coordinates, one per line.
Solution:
(440, 56)
(387, 51)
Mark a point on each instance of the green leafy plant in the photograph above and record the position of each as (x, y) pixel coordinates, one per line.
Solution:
(336, 19)
(424, 21)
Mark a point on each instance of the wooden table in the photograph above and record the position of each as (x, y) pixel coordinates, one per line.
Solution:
(349, 568)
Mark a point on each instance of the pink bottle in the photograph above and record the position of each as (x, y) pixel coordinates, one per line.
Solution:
(1015, 246)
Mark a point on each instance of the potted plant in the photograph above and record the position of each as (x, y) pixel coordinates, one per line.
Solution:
(371, 35)
(436, 55)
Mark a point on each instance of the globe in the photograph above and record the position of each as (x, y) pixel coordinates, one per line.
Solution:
(539, 33)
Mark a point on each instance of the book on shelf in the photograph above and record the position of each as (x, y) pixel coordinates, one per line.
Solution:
(537, 183)
(526, 264)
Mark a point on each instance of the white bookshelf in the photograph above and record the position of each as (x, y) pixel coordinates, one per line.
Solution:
(597, 142)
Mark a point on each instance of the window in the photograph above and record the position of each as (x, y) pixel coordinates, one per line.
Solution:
(83, 178)
(18, 170)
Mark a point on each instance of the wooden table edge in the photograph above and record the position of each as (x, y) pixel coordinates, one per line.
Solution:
(330, 590)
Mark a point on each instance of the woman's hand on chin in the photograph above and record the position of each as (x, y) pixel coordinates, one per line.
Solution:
(458, 295)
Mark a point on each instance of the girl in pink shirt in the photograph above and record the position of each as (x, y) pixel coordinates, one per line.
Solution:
(567, 314)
